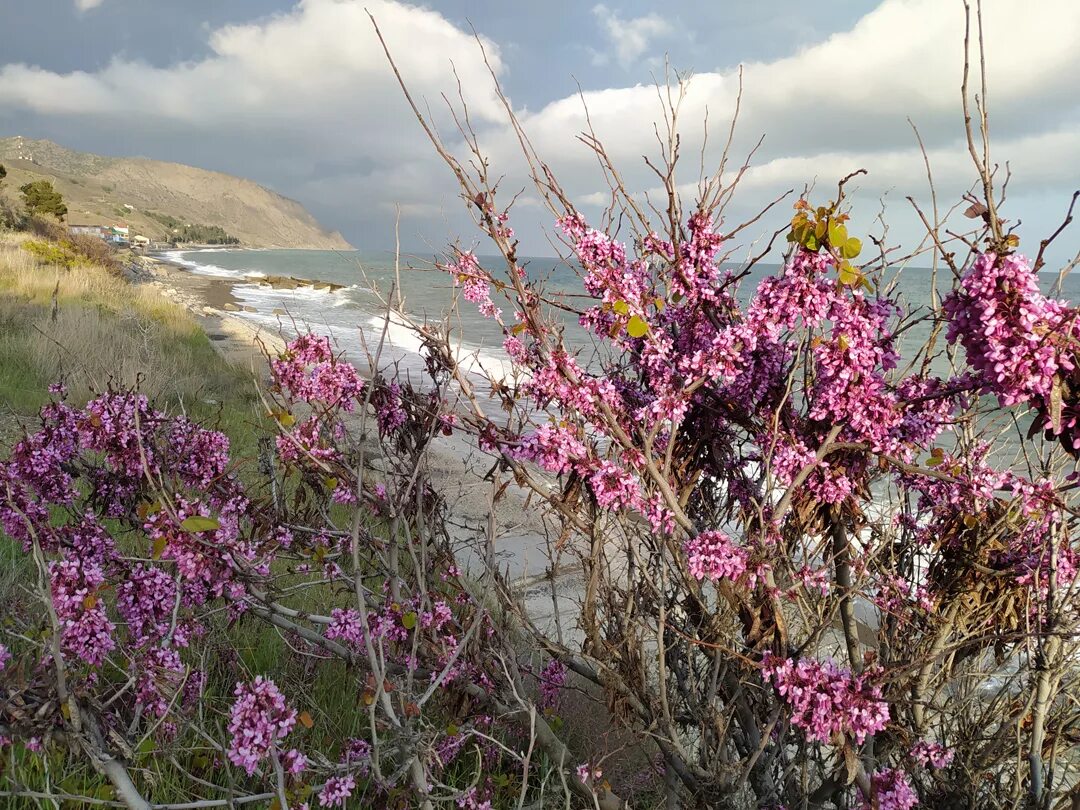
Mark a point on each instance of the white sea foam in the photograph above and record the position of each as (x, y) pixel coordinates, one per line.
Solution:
(343, 315)
(486, 363)
(205, 269)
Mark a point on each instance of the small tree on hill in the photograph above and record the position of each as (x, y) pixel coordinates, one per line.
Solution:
(41, 198)
(3, 174)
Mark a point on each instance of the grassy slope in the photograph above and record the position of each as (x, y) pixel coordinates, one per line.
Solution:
(94, 330)
(107, 331)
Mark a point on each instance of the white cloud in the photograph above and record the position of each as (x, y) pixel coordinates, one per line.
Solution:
(318, 69)
(843, 104)
(306, 98)
(86, 5)
(630, 39)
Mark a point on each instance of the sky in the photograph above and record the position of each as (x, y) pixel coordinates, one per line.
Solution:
(297, 95)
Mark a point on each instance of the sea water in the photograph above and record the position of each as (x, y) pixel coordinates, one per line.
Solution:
(356, 315)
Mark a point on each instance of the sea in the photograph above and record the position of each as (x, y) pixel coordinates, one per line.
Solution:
(357, 316)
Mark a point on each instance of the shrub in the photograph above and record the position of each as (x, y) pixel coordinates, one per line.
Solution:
(51, 253)
(71, 250)
(41, 198)
(806, 570)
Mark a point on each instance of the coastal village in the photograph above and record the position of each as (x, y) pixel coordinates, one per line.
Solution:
(117, 236)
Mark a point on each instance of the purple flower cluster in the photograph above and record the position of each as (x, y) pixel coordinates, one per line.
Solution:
(552, 680)
(556, 448)
(337, 790)
(259, 720)
(713, 555)
(474, 283)
(357, 752)
(932, 754)
(892, 790)
(826, 700)
(1016, 339)
(86, 631)
(308, 370)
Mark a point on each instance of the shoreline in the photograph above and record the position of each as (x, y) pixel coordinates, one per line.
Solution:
(457, 468)
(212, 304)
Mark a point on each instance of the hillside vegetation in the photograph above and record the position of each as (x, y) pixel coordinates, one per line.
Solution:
(141, 193)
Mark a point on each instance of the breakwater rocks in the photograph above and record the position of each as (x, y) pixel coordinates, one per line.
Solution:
(292, 283)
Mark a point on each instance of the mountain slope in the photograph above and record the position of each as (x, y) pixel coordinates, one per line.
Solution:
(102, 190)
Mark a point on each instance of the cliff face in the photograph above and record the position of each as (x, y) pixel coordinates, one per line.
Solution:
(102, 190)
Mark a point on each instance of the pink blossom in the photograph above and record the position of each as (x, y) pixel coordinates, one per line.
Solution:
(259, 720)
(826, 700)
(555, 448)
(712, 555)
(308, 370)
(337, 790)
(552, 680)
(932, 754)
(1016, 339)
(893, 790)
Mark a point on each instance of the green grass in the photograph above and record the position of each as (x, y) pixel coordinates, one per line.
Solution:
(95, 330)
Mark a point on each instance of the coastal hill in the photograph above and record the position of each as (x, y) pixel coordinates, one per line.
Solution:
(152, 196)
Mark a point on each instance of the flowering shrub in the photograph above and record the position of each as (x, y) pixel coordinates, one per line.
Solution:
(258, 721)
(758, 483)
(800, 548)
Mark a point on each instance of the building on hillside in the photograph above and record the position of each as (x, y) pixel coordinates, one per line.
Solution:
(100, 231)
(119, 235)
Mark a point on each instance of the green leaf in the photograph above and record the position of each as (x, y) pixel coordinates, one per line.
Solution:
(837, 235)
(933, 461)
(636, 327)
(159, 548)
(408, 621)
(851, 248)
(848, 274)
(621, 307)
(198, 523)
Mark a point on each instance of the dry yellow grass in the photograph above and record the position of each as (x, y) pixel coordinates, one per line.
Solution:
(23, 275)
(96, 330)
